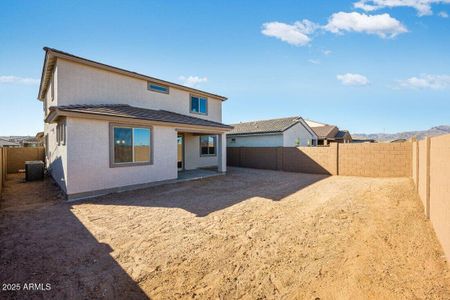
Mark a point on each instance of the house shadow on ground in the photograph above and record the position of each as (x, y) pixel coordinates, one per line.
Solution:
(42, 242)
(202, 197)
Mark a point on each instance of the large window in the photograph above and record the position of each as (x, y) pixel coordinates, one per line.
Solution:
(208, 145)
(199, 105)
(130, 145)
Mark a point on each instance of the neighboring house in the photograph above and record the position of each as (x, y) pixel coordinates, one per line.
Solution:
(108, 129)
(8, 144)
(284, 132)
(329, 133)
(31, 142)
(40, 139)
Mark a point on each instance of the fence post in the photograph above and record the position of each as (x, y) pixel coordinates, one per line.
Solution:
(427, 185)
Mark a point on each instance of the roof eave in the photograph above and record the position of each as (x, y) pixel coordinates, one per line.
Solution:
(56, 113)
(40, 96)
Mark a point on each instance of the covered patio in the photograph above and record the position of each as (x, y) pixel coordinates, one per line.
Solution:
(201, 152)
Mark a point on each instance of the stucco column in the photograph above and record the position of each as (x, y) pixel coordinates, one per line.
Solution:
(222, 152)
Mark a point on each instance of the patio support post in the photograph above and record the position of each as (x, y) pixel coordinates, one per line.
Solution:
(222, 153)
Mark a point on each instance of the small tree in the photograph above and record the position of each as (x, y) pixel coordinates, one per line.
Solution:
(297, 142)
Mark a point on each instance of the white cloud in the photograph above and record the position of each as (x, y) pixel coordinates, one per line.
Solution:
(192, 81)
(314, 61)
(423, 7)
(443, 14)
(296, 34)
(382, 25)
(353, 79)
(426, 81)
(18, 80)
(327, 52)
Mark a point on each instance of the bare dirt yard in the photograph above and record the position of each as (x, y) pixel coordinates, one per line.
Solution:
(252, 234)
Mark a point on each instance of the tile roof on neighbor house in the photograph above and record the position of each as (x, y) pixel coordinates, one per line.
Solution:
(5, 143)
(131, 112)
(324, 131)
(49, 63)
(264, 126)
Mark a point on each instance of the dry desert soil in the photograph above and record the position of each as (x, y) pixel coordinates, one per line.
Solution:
(252, 234)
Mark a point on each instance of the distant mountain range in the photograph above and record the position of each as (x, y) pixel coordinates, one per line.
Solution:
(383, 137)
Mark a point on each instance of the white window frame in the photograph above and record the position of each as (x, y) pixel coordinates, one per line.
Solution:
(198, 97)
(112, 163)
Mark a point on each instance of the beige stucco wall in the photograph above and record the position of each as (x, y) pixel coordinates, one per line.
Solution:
(88, 158)
(192, 158)
(56, 157)
(81, 84)
(49, 101)
(296, 133)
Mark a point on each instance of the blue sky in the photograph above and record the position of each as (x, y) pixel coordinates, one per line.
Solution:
(367, 66)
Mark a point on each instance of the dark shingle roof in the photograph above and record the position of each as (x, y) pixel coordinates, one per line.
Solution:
(341, 133)
(264, 126)
(324, 131)
(127, 111)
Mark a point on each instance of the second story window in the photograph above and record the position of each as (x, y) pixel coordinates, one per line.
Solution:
(156, 87)
(199, 105)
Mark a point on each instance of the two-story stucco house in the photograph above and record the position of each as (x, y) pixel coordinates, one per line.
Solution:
(108, 129)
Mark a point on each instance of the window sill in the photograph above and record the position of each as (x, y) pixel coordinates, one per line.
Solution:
(198, 113)
(131, 164)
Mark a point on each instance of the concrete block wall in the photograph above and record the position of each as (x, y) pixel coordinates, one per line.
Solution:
(372, 160)
(433, 184)
(1, 170)
(315, 160)
(16, 157)
(258, 157)
(422, 179)
(375, 160)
